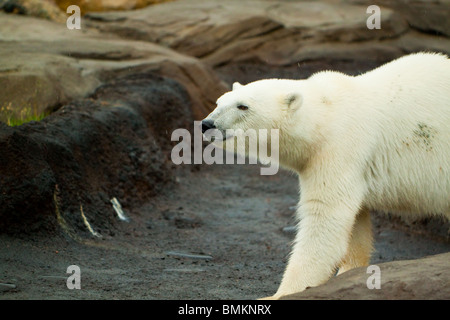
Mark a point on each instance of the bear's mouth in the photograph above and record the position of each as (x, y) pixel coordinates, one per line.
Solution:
(216, 135)
(226, 137)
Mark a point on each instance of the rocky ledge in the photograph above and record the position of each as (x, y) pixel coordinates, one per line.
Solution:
(426, 278)
(65, 170)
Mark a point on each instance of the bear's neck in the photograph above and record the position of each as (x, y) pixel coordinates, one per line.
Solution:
(294, 153)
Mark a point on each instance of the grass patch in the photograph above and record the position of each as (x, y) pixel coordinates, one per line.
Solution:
(11, 117)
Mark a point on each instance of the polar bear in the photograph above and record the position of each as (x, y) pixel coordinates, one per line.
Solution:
(376, 141)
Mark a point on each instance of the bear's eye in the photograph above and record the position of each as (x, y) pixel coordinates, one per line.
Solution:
(242, 107)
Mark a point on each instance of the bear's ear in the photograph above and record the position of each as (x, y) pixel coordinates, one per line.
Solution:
(293, 101)
(236, 85)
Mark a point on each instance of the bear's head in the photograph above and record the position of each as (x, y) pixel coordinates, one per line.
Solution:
(263, 113)
(264, 104)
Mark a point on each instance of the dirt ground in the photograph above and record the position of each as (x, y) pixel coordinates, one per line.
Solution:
(229, 218)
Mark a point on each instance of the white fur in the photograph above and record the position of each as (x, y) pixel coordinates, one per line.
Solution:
(380, 140)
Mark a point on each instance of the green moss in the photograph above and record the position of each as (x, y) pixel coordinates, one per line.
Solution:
(11, 117)
(19, 121)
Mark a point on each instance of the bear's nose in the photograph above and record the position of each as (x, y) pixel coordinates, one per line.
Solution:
(207, 124)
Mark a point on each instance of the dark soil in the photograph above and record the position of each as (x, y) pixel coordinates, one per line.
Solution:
(229, 216)
(88, 152)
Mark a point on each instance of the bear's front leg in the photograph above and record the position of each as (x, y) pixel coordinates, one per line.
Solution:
(320, 244)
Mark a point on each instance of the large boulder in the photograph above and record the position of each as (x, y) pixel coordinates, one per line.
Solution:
(427, 16)
(106, 5)
(65, 169)
(32, 85)
(43, 65)
(46, 9)
(426, 278)
(272, 33)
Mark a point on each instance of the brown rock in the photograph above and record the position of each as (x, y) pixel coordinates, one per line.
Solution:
(44, 65)
(426, 278)
(427, 16)
(35, 84)
(272, 33)
(106, 5)
(282, 34)
(45, 9)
